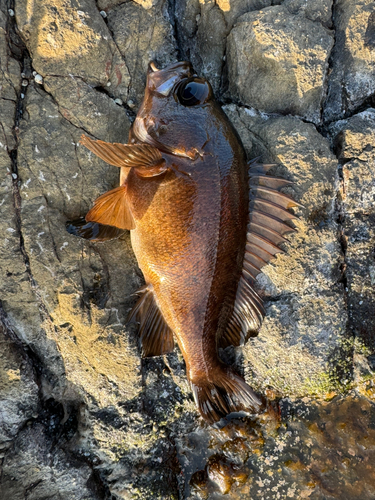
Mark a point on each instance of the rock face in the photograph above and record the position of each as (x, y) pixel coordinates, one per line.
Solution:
(275, 47)
(81, 415)
(352, 81)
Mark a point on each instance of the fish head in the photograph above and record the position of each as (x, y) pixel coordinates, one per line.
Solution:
(177, 111)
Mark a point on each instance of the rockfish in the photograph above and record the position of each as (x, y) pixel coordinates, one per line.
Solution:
(203, 223)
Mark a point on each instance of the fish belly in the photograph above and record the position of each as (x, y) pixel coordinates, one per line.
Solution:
(189, 244)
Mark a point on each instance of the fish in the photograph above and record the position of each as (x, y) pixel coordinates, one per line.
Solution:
(203, 222)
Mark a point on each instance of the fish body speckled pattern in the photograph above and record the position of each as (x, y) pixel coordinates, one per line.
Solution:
(203, 223)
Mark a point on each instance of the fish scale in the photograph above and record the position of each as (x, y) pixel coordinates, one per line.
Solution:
(203, 224)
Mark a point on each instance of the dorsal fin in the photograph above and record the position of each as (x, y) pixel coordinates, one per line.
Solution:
(156, 337)
(123, 155)
(112, 209)
(267, 226)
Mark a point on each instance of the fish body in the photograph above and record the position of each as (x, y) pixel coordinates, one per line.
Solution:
(199, 237)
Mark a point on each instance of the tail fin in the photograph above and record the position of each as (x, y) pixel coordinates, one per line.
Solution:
(226, 394)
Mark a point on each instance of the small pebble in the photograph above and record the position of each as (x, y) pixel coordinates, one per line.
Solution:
(11, 12)
(38, 79)
(24, 83)
(23, 75)
(34, 73)
(131, 103)
(22, 96)
(103, 14)
(14, 176)
(109, 84)
(118, 101)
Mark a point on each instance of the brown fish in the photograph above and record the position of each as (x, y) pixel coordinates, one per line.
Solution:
(200, 235)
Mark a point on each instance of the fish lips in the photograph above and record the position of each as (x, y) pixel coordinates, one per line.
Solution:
(163, 81)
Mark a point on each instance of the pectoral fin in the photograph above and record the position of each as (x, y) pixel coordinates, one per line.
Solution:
(124, 155)
(112, 209)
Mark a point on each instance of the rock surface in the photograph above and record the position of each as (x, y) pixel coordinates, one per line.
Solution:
(275, 47)
(352, 83)
(81, 415)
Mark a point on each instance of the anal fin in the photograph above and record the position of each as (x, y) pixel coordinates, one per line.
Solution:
(155, 335)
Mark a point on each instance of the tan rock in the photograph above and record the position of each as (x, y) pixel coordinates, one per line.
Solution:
(18, 390)
(70, 38)
(142, 35)
(271, 46)
(352, 79)
(306, 317)
(315, 10)
(89, 110)
(354, 140)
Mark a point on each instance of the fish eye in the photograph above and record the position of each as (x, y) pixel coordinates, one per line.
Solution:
(194, 91)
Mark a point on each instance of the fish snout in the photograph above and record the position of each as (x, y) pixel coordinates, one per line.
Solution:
(162, 81)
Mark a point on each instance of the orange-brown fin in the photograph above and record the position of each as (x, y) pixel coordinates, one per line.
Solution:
(92, 230)
(247, 316)
(156, 337)
(225, 394)
(268, 217)
(124, 155)
(112, 209)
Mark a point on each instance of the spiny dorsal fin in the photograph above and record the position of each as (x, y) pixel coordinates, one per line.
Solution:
(123, 155)
(155, 335)
(112, 209)
(267, 226)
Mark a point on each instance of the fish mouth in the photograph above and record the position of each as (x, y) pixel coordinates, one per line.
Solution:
(162, 81)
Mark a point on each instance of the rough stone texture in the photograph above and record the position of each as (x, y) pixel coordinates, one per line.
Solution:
(142, 35)
(315, 10)
(354, 141)
(35, 469)
(81, 415)
(70, 38)
(18, 391)
(277, 61)
(352, 80)
(306, 317)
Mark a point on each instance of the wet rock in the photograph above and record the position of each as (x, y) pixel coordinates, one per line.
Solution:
(273, 45)
(142, 35)
(309, 450)
(352, 79)
(305, 325)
